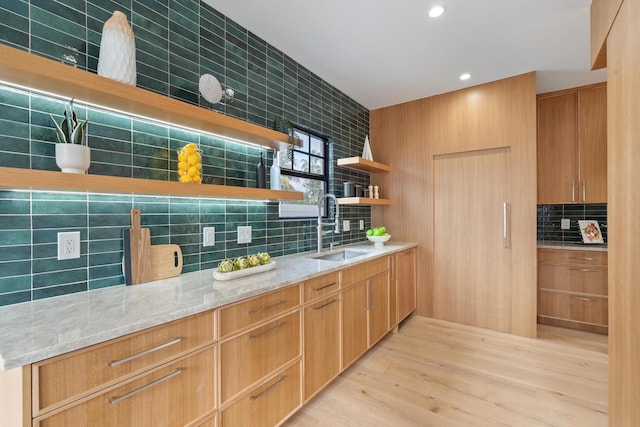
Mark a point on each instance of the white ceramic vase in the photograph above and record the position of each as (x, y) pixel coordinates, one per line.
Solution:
(73, 158)
(117, 59)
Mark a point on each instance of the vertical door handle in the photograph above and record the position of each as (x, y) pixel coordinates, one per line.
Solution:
(573, 191)
(505, 225)
(584, 191)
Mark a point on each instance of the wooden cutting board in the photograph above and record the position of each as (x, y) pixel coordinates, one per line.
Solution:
(166, 261)
(137, 252)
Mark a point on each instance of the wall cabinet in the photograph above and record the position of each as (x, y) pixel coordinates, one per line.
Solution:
(572, 146)
(572, 289)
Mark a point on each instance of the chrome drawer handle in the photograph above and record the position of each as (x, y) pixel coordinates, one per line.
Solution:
(582, 258)
(325, 304)
(325, 286)
(269, 307)
(266, 331)
(114, 363)
(257, 396)
(583, 298)
(114, 400)
(585, 270)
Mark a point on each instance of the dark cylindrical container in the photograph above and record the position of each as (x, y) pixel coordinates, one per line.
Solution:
(358, 190)
(348, 190)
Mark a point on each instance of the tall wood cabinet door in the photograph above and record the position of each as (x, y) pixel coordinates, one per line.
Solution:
(592, 140)
(405, 275)
(557, 149)
(354, 322)
(321, 344)
(378, 307)
(472, 242)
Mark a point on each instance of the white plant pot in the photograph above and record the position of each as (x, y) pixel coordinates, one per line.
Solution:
(73, 158)
(117, 59)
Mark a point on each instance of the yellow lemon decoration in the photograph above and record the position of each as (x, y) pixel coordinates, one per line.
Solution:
(189, 164)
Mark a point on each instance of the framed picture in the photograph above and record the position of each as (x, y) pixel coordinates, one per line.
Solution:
(590, 231)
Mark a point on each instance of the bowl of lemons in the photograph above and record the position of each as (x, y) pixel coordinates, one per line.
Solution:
(378, 236)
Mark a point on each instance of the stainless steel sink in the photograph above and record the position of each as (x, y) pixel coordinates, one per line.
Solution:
(339, 255)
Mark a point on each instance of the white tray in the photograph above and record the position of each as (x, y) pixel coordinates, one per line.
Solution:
(245, 272)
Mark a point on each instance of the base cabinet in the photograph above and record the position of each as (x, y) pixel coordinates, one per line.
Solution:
(173, 395)
(404, 276)
(250, 363)
(268, 404)
(573, 289)
(321, 344)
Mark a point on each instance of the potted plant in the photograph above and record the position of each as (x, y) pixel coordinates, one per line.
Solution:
(72, 155)
(284, 125)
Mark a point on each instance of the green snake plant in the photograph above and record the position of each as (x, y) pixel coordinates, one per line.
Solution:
(70, 131)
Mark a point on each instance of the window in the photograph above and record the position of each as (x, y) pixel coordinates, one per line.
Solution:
(304, 168)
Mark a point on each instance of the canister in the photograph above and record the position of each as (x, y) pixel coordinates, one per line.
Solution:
(348, 189)
(358, 190)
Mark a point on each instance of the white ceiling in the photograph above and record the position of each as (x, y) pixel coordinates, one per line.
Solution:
(385, 52)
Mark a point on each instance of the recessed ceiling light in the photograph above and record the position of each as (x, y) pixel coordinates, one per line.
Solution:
(465, 76)
(436, 11)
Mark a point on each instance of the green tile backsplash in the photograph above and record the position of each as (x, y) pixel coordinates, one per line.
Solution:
(176, 42)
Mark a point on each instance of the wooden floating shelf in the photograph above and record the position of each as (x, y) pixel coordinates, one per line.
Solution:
(363, 201)
(31, 179)
(362, 164)
(45, 75)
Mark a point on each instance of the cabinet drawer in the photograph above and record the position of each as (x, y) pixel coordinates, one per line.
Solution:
(247, 313)
(582, 279)
(321, 286)
(268, 404)
(593, 310)
(257, 353)
(562, 256)
(62, 378)
(171, 395)
(363, 271)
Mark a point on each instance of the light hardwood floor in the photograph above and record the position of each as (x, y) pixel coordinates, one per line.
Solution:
(437, 373)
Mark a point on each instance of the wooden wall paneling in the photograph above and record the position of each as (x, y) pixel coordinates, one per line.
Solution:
(472, 266)
(603, 13)
(398, 137)
(407, 136)
(623, 158)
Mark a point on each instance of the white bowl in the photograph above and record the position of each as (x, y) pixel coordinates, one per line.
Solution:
(378, 241)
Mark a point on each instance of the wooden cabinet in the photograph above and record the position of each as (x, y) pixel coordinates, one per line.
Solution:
(321, 286)
(161, 376)
(235, 317)
(572, 289)
(172, 395)
(572, 146)
(365, 307)
(267, 404)
(354, 322)
(321, 344)
(257, 353)
(114, 360)
(403, 277)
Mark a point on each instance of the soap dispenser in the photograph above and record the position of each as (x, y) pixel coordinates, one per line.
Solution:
(275, 171)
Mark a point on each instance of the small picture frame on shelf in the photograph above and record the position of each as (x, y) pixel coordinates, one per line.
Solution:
(590, 231)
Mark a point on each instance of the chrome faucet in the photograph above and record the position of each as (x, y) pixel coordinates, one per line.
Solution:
(335, 223)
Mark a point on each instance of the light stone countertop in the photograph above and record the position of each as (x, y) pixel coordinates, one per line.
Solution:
(572, 246)
(36, 330)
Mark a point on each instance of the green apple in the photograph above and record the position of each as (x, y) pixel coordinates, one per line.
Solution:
(369, 232)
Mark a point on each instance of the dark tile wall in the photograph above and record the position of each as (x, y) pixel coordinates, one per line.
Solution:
(176, 42)
(549, 217)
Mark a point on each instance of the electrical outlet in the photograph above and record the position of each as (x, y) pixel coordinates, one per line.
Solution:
(208, 236)
(244, 234)
(69, 245)
(565, 223)
(346, 225)
(362, 224)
